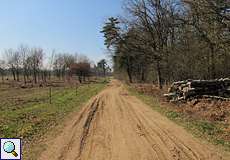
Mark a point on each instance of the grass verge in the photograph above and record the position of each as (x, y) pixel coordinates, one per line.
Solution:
(210, 131)
(33, 119)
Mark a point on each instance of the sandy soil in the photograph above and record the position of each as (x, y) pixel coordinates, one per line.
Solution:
(117, 126)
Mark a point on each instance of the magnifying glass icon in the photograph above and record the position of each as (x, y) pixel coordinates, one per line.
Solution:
(9, 147)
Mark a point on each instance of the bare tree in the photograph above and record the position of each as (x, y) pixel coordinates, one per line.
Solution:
(24, 52)
(36, 59)
(59, 64)
(2, 69)
(13, 61)
(51, 63)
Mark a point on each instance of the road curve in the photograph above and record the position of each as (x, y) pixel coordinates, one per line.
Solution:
(117, 126)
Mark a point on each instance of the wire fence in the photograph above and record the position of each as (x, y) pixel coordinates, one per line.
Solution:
(17, 97)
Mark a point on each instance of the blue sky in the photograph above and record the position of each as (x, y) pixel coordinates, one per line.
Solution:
(64, 25)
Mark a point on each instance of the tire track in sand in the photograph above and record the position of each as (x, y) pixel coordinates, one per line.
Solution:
(116, 126)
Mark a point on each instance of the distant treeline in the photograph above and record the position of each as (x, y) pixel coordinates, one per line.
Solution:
(30, 65)
(170, 40)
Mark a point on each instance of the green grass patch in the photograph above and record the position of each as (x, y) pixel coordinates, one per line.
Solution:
(211, 131)
(36, 115)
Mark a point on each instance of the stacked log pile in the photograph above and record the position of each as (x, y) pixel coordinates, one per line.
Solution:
(190, 89)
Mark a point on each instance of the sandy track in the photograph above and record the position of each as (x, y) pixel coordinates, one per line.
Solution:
(116, 126)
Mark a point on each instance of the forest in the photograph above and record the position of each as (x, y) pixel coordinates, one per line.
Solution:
(162, 41)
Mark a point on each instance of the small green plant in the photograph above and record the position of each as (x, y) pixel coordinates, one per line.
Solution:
(208, 128)
(172, 115)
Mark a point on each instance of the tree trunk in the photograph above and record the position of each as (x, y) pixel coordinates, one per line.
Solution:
(17, 74)
(143, 75)
(49, 75)
(2, 73)
(104, 71)
(27, 75)
(35, 76)
(80, 77)
(130, 75)
(13, 72)
(84, 77)
(129, 70)
(24, 75)
(213, 68)
(159, 78)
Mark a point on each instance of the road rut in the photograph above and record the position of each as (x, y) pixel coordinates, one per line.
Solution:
(117, 126)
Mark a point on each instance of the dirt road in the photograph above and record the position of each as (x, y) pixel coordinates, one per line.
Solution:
(116, 126)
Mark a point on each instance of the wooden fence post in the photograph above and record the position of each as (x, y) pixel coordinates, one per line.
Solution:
(50, 95)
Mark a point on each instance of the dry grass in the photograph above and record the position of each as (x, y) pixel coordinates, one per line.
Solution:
(207, 119)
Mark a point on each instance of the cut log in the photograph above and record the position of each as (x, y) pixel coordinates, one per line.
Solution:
(189, 89)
